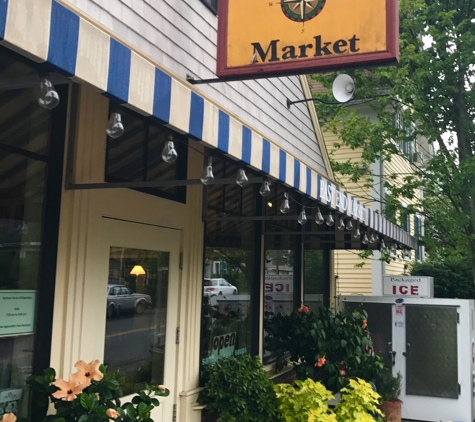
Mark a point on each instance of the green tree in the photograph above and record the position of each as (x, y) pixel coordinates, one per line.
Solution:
(429, 94)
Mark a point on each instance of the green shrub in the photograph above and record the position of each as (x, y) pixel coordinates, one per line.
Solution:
(239, 389)
(324, 345)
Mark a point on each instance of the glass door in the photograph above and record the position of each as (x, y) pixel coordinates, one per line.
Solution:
(141, 310)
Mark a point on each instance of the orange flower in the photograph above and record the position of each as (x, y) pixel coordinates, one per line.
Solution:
(88, 371)
(320, 362)
(365, 324)
(9, 417)
(68, 390)
(304, 309)
(342, 372)
(112, 413)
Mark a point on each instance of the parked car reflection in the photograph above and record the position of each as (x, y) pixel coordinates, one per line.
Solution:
(218, 286)
(121, 299)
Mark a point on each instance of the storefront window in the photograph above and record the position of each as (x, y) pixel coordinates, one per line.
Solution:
(31, 149)
(136, 316)
(314, 278)
(230, 274)
(227, 284)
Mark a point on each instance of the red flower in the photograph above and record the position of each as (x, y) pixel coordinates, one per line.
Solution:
(320, 362)
(365, 324)
(304, 309)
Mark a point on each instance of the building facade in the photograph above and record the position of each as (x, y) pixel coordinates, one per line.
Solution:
(116, 242)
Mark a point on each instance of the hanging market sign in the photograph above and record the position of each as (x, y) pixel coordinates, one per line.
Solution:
(262, 38)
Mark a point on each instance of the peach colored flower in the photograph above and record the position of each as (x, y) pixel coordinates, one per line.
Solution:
(342, 372)
(88, 371)
(112, 413)
(162, 388)
(9, 417)
(304, 309)
(365, 324)
(68, 390)
(321, 361)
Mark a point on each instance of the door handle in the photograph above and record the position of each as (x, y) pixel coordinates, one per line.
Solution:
(408, 349)
(392, 353)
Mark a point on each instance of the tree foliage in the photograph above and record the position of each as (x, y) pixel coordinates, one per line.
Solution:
(430, 95)
(452, 277)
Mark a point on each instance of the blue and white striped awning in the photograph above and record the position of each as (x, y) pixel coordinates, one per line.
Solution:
(48, 31)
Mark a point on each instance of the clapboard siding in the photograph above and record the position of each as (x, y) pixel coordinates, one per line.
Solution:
(181, 36)
(351, 279)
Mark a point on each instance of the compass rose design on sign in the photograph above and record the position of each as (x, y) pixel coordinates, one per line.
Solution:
(301, 10)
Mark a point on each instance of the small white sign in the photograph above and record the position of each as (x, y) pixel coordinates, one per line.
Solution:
(17, 312)
(408, 286)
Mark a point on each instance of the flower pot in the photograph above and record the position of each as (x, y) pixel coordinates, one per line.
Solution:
(391, 410)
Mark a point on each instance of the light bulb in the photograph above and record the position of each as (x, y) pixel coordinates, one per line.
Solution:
(169, 154)
(330, 220)
(372, 239)
(241, 178)
(364, 241)
(115, 128)
(357, 234)
(341, 225)
(393, 249)
(319, 217)
(349, 225)
(48, 97)
(383, 245)
(207, 176)
(285, 207)
(302, 218)
(265, 188)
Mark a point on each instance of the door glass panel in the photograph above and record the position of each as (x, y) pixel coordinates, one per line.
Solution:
(313, 278)
(137, 294)
(431, 351)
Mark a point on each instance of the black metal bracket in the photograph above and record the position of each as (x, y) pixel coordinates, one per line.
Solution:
(193, 81)
(289, 103)
(155, 184)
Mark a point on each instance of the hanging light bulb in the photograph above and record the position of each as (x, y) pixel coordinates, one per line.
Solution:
(115, 128)
(241, 178)
(285, 207)
(207, 176)
(341, 225)
(365, 240)
(48, 97)
(319, 217)
(330, 220)
(264, 190)
(349, 225)
(169, 154)
(383, 245)
(393, 249)
(357, 234)
(302, 218)
(372, 239)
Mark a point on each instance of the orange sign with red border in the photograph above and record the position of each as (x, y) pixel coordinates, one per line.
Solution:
(263, 38)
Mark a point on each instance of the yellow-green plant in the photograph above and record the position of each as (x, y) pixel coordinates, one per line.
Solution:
(358, 403)
(309, 402)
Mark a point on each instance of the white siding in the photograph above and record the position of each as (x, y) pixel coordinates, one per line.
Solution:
(181, 35)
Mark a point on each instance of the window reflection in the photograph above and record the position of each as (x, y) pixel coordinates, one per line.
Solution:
(314, 279)
(226, 319)
(136, 316)
(278, 286)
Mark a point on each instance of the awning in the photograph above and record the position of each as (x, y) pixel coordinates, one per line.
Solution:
(51, 33)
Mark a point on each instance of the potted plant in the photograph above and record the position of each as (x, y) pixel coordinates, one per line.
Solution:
(91, 394)
(389, 387)
(239, 389)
